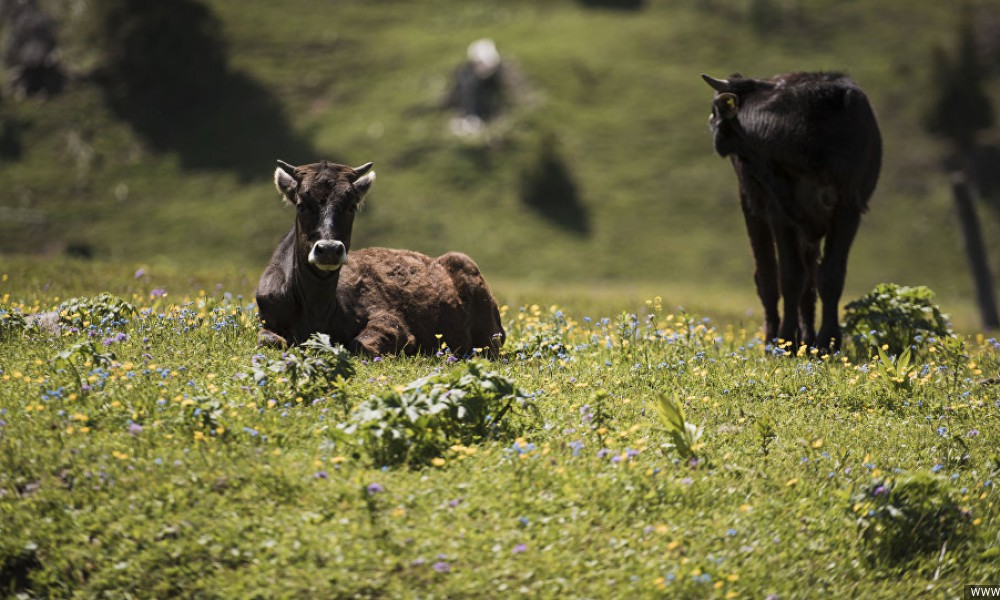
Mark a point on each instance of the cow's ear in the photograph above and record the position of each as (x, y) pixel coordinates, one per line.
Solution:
(727, 105)
(363, 184)
(286, 184)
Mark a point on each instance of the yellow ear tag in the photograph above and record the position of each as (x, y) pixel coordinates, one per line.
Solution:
(731, 102)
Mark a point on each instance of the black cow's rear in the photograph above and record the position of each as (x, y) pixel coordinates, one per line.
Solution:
(807, 151)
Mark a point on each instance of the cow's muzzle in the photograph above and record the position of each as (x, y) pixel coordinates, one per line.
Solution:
(328, 255)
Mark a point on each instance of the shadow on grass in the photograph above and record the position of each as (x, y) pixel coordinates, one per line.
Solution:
(237, 126)
(165, 72)
(549, 187)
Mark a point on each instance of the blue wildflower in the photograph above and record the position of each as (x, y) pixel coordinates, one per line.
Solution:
(576, 445)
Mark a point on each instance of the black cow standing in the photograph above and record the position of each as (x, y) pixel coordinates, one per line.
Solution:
(807, 151)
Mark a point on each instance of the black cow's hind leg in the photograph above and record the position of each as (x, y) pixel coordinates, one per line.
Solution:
(807, 308)
(765, 262)
(792, 282)
(833, 271)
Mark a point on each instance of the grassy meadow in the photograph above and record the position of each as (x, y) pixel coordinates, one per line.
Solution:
(636, 438)
(150, 450)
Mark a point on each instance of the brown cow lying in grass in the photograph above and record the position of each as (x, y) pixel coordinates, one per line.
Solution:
(377, 301)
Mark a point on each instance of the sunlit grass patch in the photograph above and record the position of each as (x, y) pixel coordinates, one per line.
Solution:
(136, 446)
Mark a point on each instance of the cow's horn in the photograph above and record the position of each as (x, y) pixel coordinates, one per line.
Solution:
(290, 169)
(359, 171)
(719, 85)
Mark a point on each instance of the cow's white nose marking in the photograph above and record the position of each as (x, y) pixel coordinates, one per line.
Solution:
(328, 255)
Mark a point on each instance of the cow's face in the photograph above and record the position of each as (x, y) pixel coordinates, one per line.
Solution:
(734, 101)
(326, 196)
(725, 108)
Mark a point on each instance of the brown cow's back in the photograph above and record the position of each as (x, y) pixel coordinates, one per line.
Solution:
(407, 299)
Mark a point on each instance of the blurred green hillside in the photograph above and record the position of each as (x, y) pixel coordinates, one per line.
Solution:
(617, 91)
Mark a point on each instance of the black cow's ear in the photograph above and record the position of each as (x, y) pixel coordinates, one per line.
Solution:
(363, 184)
(286, 184)
(727, 105)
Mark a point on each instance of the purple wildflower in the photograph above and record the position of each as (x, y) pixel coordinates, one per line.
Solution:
(374, 488)
(972, 433)
(880, 490)
(158, 292)
(520, 548)
(687, 481)
(321, 475)
(442, 567)
(135, 428)
(140, 273)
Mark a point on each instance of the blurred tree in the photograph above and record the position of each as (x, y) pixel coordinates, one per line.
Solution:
(29, 48)
(10, 133)
(960, 110)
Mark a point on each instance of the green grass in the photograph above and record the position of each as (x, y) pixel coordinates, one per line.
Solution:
(113, 481)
